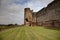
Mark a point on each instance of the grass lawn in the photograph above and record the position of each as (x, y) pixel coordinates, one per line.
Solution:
(30, 33)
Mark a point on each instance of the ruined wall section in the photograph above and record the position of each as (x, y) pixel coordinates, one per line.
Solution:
(34, 18)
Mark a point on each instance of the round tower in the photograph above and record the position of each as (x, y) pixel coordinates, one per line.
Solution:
(27, 16)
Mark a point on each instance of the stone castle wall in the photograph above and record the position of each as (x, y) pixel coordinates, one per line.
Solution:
(48, 16)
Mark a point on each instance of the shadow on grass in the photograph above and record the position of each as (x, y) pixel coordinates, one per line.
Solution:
(1, 38)
(53, 28)
(58, 38)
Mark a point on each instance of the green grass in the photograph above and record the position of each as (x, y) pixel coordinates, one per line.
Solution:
(30, 33)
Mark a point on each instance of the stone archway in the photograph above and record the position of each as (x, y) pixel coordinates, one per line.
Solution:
(28, 23)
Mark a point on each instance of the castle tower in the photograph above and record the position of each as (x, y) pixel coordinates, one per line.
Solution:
(27, 17)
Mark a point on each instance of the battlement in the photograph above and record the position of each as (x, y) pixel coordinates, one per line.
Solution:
(27, 9)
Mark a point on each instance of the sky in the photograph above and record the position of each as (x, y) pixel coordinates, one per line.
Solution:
(12, 11)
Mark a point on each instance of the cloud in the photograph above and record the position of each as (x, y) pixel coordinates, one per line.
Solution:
(12, 11)
(38, 4)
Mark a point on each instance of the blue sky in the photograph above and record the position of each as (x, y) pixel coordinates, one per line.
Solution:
(22, 2)
(12, 11)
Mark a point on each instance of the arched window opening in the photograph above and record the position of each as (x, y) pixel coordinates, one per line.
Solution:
(26, 19)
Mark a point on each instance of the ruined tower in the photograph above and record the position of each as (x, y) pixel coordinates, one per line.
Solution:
(27, 17)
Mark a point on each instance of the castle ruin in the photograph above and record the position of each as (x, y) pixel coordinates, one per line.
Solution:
(48, 16)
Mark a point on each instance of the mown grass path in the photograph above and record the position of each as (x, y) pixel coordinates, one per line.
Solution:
(30, 33)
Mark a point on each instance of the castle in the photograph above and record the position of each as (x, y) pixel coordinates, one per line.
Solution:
(48, 16)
